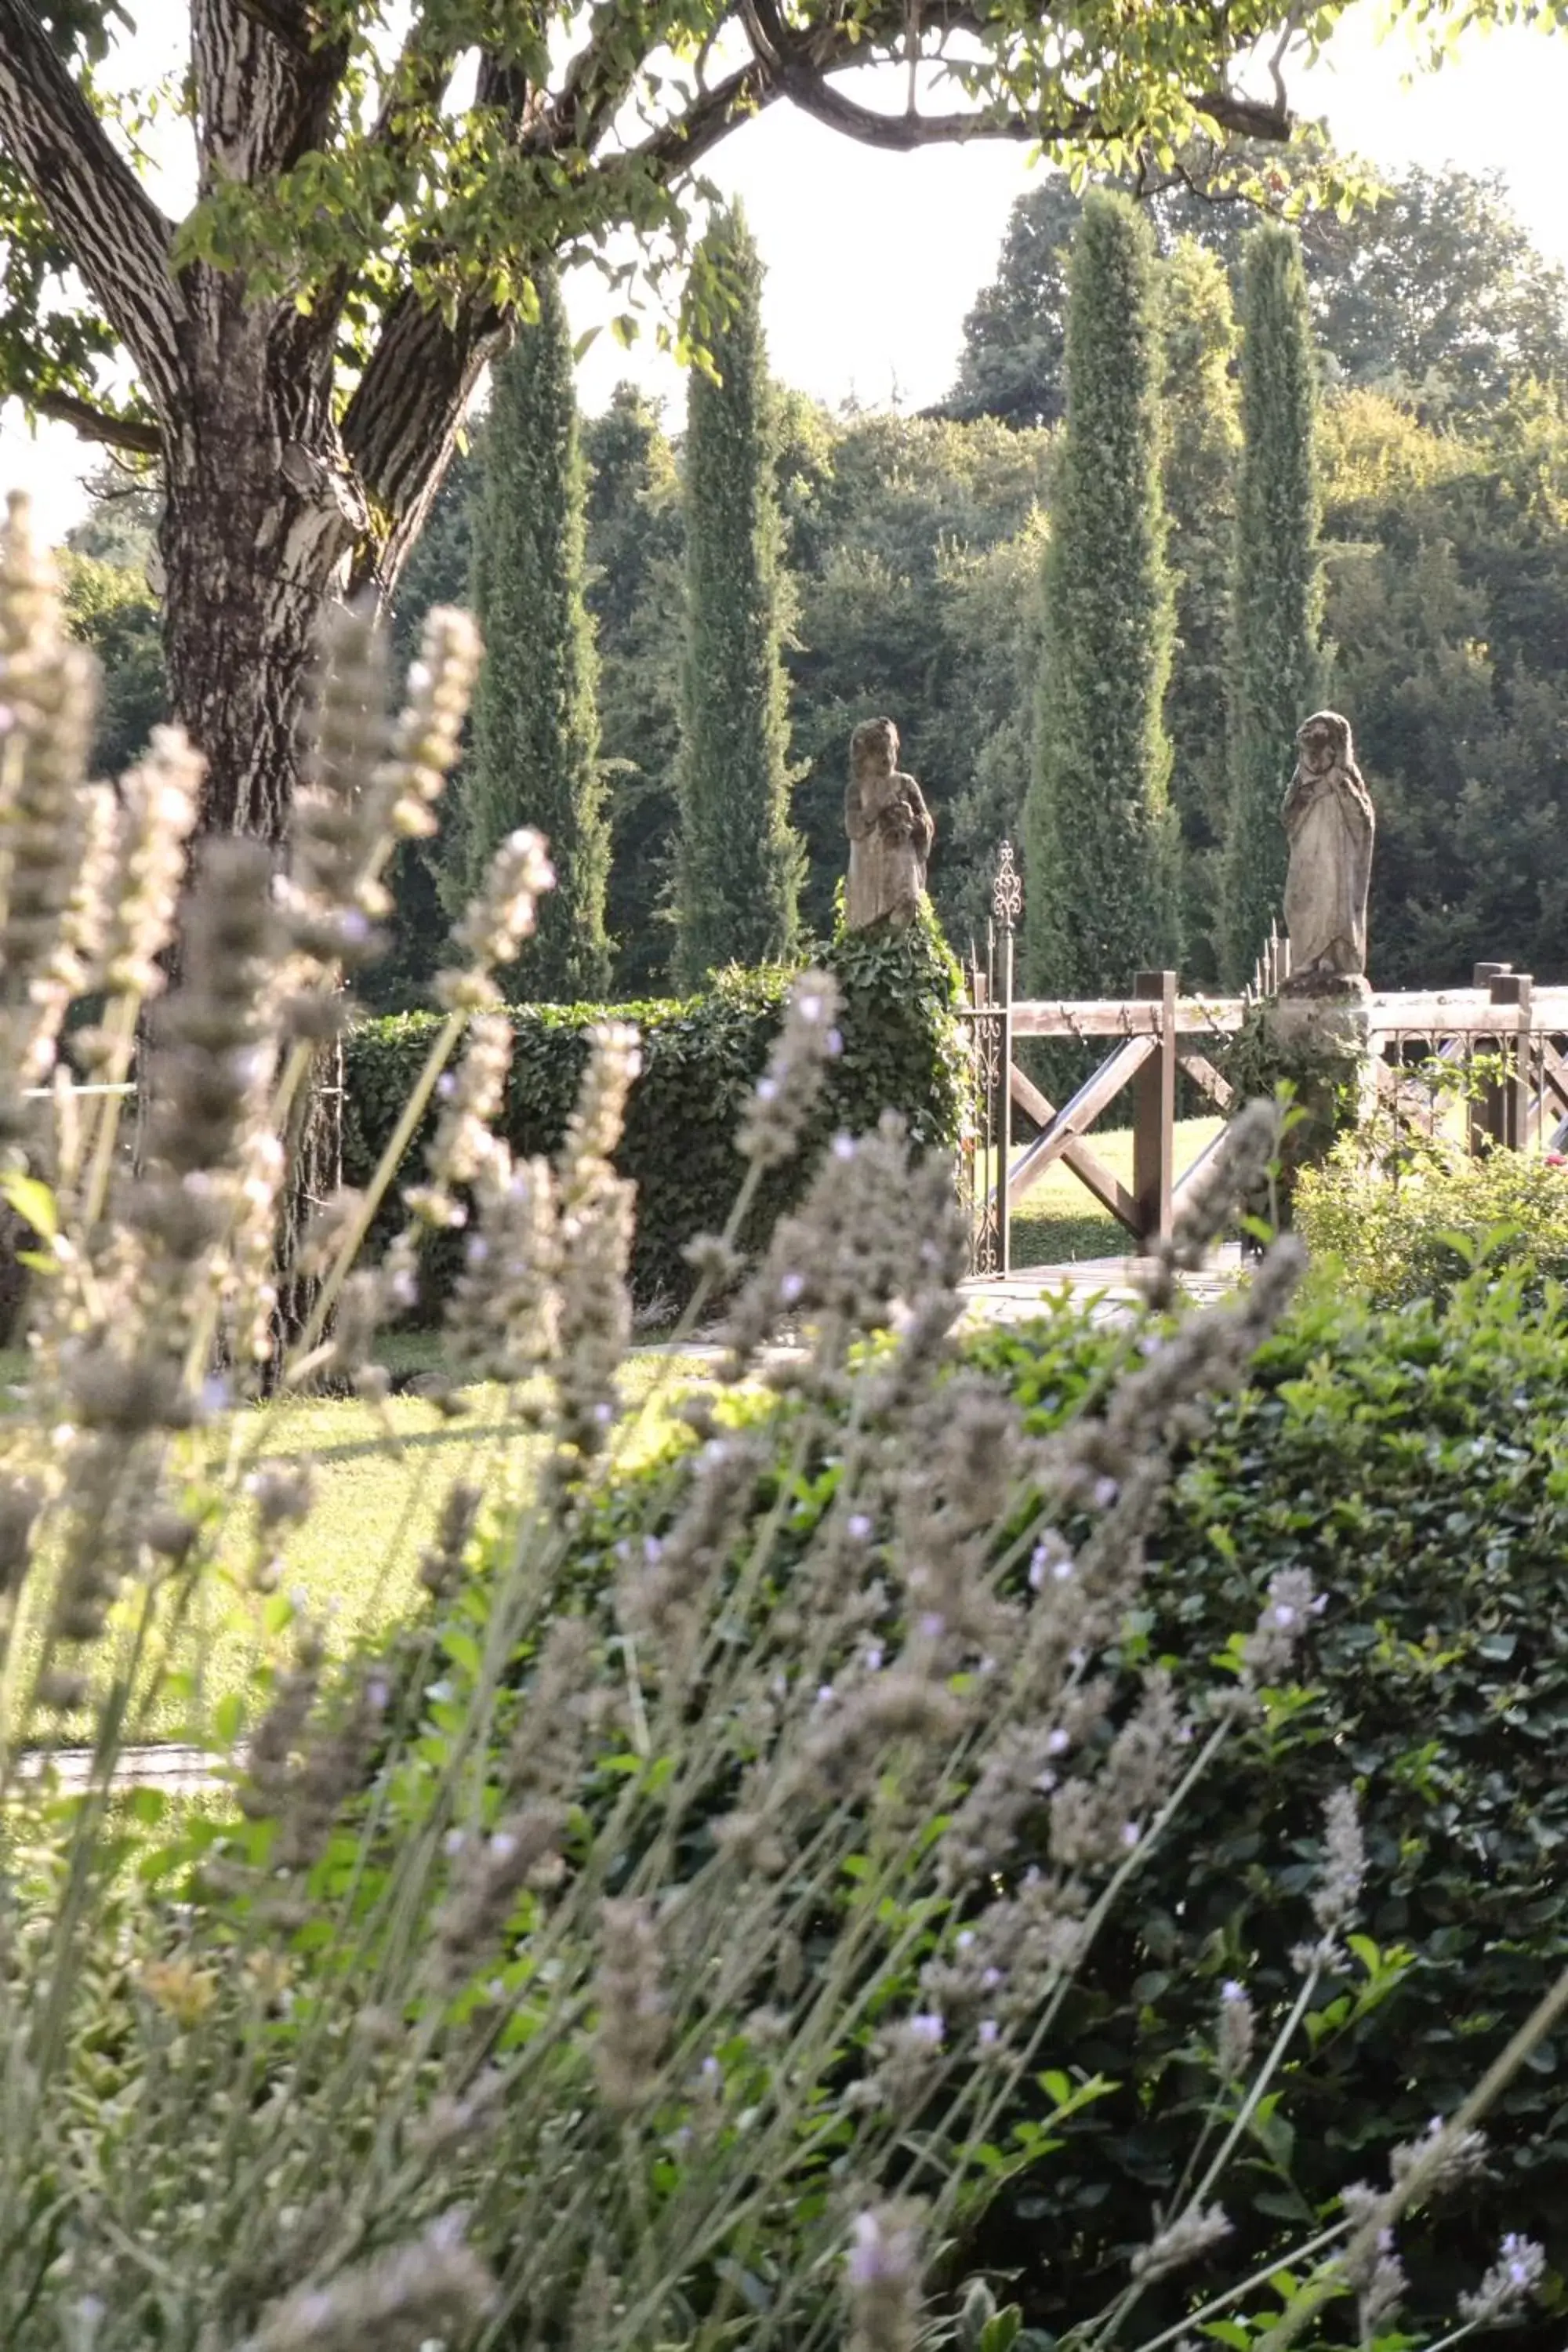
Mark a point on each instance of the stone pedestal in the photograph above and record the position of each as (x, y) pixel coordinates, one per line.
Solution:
(1320, 1031)
(1328, 1024)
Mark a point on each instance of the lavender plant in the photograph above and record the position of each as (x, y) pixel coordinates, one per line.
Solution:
(649, 1947)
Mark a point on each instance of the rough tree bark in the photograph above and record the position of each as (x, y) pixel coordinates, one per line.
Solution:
(271, 509)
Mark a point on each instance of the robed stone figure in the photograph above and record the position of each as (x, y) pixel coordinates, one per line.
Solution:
(1328, 822)
(889, 828)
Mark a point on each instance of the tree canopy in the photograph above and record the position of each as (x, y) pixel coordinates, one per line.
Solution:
(376, 191)
(1276, 669)
(737, 863)
(1429, 287)
(914, 544)
(535, 757)
(399, 188)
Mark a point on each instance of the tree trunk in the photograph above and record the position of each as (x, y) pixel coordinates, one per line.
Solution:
(265, 524)
(260, 518)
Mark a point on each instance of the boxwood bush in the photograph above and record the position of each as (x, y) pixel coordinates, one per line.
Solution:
(702, 1055)
(1416, 1462)
(1414, 1237)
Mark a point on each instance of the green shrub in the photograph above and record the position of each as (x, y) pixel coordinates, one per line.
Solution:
(1416, 1465)
(1413, 1236)
(700, 1057)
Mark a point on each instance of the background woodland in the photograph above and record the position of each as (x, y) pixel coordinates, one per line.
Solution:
(906, 562)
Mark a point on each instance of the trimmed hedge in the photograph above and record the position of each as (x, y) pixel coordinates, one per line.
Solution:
(1416, 1462)
(700, 1058)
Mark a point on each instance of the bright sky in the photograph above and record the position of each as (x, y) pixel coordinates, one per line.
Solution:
(873, 260)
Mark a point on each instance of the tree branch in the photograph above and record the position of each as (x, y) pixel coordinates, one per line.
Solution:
(98, 208)
(265, 96)
(399, 426)
(815, 95)
(800, 64)
(129, 432)
(712, 115)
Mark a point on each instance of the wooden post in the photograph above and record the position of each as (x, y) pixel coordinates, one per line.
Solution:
(1511, 1129)
(1154, 1113)
(1485, 1113)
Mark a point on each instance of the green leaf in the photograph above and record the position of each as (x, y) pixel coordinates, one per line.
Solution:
(1000, 2333)
(33, 1202)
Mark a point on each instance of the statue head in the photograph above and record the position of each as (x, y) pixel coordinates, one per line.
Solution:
(1324, 743)
(874, 749)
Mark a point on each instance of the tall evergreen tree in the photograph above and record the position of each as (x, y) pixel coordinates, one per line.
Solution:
(1100, 899)
(1202, 434)
(1277, 595)
(738, 864)
(635, 542)
(535, 757)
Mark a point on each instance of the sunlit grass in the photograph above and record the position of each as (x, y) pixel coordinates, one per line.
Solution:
(1058, 1222)
(379, 1476)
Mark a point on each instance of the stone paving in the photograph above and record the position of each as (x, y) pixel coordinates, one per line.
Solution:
(1104, 1285)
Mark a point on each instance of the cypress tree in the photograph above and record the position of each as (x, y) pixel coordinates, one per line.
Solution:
(738, 864)
(535, 757)
(635, 557)
(1100, 897)
(1203, 435)
(1275, 663)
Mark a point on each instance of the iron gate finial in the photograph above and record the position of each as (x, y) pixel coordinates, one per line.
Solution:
(1007, 895)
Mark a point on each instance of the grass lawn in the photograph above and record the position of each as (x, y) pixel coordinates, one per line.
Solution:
(354, 1564)
(380, 1478)
(1059, 1222)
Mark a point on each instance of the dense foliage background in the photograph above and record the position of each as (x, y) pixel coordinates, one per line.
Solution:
(914, 548)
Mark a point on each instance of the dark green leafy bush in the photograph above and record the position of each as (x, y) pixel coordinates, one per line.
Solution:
(1416, 1462)
(700, 1057)
(1416, 1237)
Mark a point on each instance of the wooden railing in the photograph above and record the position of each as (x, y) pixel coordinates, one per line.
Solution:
(1517, 1032)
(1159, 1033)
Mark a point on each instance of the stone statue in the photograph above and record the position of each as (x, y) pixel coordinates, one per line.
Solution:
(889, 828)
(1329, 821)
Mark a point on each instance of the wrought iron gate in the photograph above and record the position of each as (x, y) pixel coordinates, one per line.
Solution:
(985, 1144)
